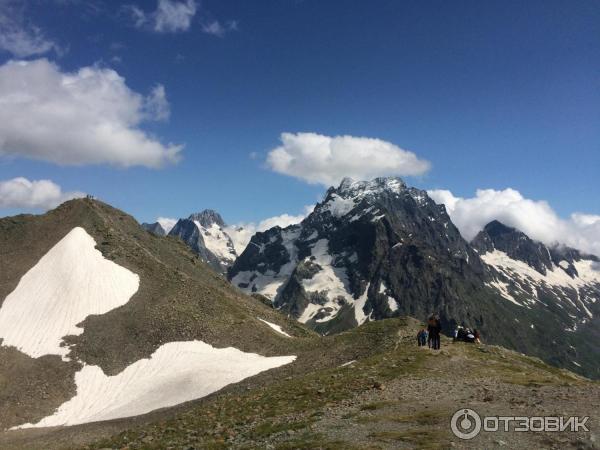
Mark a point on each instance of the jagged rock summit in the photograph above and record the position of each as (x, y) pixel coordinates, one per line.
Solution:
(518, 246)
(208, 218)
(368, 251)
(205, 233)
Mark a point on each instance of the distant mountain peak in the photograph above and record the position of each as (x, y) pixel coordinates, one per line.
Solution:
(207, 235)
(154, 228)
(207, 218)
(497, 228)
(516, 244)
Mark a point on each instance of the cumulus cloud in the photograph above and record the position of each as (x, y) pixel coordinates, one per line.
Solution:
(38, 194)
(536, 218)
(167, 223)
(87, 117)
(20, 37)
(170, 16)
(325, 160)
(242, 233)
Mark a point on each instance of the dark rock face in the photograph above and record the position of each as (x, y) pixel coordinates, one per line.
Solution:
(154, 228)
(378, 249)
(204, 233)
(515, 244)
(208, 217)
(187, 230)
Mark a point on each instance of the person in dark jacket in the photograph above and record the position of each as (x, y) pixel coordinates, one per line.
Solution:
(422, 337)
(434, 327)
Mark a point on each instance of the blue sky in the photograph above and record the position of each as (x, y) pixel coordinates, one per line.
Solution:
(493, 94)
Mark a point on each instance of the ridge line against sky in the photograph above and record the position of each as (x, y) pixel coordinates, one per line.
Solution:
(166, 107)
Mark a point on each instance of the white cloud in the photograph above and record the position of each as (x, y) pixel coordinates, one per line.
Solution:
(86, 117)
(535, 218)
(156, 104)
(38, 194)
(170, 16)
(217, 29)
(242, 233)
(326, 160)
(174, 16)
(140, 18)
(167, 223)
(19, 37)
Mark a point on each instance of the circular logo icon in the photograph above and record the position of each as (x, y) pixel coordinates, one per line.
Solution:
(465, 424)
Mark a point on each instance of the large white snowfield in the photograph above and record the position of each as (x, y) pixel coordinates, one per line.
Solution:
(72, 281)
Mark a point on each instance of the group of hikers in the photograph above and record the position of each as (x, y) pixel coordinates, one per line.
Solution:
(430, 335)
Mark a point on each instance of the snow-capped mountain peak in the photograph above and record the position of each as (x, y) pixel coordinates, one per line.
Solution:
(206, 233)
(351, 188)
(340, 261)
(350, 194)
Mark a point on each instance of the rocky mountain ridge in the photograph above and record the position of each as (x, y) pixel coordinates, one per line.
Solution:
(378, 249)
(101, 319)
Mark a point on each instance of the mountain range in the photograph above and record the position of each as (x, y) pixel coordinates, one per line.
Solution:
(377, 249)
(108, 326)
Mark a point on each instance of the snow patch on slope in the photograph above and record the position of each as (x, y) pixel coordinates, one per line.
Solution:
(269, 282)
(70, 282)
(339, 206)
(392, 303)
(359, 307)
(176, 372)
(275, 327)
(557, 279)
(333, 281)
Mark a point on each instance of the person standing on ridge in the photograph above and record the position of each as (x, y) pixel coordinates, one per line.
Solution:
(422, 337)
(434, 328)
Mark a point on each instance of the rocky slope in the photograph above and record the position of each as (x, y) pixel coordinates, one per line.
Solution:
(370, 387)
(101, 311)
(378, 249)
(558, 283)
(205, 233)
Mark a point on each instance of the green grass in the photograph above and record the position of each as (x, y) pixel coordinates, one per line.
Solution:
(314, 441)
(377, 405)
(268, 428)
